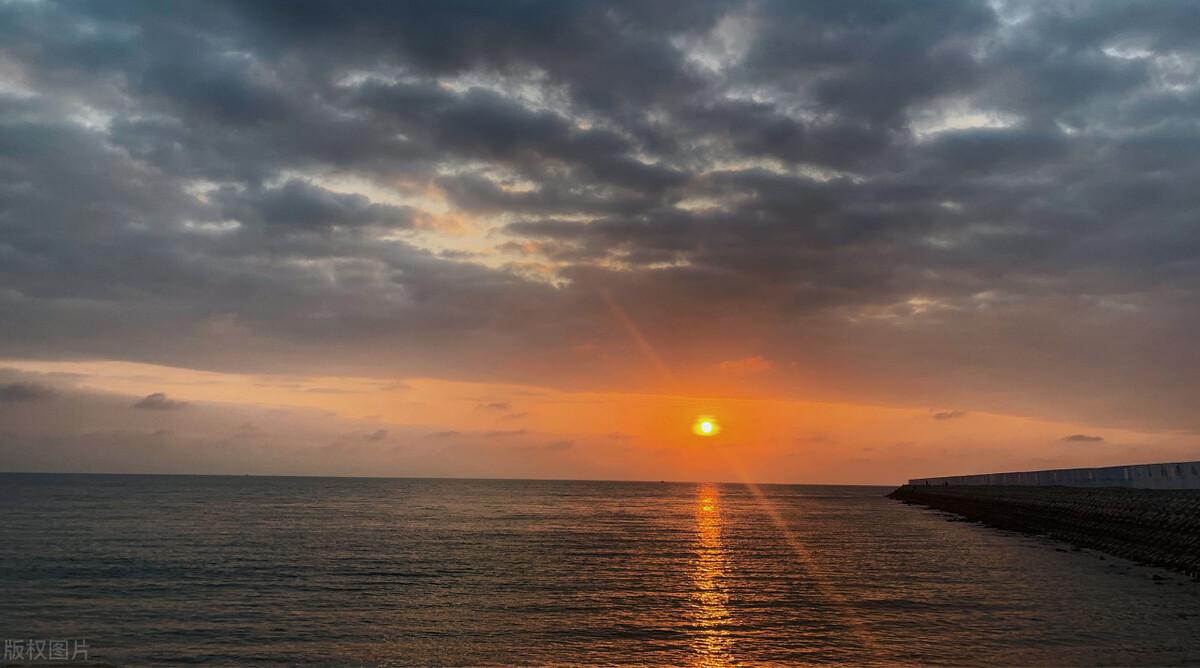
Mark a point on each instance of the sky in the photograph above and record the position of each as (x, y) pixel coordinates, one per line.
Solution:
(874, 240)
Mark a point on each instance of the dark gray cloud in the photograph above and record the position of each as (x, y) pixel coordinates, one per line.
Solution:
(949, 415)
(1083, 438)
(21, 392)
(303, 206)
(989, 203)
(159, 402)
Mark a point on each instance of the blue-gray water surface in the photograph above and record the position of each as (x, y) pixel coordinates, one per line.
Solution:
(156, 570)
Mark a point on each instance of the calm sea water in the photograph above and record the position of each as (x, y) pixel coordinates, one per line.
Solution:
(229, 570)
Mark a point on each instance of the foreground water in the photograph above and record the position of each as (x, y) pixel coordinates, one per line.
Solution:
(228, 570)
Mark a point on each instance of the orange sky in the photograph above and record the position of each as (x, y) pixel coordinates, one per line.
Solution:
(438, 427)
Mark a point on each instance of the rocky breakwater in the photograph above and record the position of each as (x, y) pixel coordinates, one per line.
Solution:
(1152, 526)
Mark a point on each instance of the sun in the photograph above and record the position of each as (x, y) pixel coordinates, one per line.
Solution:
(706, 425)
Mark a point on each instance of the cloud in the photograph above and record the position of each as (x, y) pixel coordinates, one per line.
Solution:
(1083, 438)
(869, 200)
(159, 402)
(949, 415)
(377, 435)
(87, 431)
(496, 406)
(22, 392)
(302, 206)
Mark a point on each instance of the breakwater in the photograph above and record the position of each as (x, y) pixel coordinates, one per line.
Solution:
(1153, 526)
(1168, 475)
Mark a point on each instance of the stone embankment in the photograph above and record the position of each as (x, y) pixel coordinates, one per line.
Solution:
(1152, 526)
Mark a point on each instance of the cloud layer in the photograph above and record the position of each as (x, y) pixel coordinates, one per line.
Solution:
(159, 401)
(990, 204)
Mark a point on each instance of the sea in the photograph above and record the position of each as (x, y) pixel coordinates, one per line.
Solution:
(249, 570)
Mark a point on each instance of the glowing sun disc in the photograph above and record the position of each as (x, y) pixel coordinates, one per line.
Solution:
(706, 425)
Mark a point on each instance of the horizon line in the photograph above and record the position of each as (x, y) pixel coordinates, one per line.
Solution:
(456, 478)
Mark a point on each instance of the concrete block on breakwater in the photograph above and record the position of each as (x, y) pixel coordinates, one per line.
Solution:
(1160, 527)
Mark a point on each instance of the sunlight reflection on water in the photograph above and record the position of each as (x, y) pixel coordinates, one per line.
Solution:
(710, 610)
